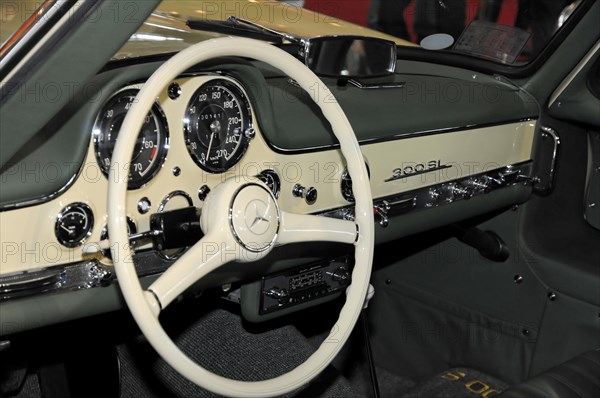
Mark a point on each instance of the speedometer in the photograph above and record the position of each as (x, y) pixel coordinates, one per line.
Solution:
(151, 145)
(217, 125)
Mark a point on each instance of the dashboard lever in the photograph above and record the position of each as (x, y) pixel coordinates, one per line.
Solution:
(488, 243)
(103, 246)
(169, 230)
(528, 179)
(177, 228)
(135, 239)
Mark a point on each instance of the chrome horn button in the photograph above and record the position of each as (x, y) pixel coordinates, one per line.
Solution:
(254, 218)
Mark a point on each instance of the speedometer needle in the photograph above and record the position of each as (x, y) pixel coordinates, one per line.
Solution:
(212, 136)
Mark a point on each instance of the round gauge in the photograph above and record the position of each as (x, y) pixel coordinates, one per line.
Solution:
(217, 125)
(74, 224)
(271, 179)
(150, 148)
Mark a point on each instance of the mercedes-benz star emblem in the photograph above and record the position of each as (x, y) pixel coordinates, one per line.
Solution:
(257, 219)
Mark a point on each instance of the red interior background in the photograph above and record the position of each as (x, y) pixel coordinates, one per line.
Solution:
(357, 10)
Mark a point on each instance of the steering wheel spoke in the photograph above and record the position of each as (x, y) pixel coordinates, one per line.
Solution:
(308, 228)
(204, 257)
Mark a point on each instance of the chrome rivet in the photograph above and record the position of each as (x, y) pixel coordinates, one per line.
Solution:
(4, 345)
(525, 332)
(250, 133)
(144, 205)
(176, 171)
(593, 204)
(174, 91)
(551, 296)
(518, 279)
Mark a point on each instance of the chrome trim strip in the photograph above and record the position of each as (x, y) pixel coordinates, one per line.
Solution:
(45, 198)
(549, 132)
(160, 306)
(77, 276)
(19, 39)
(371, 86)
(567, 81)
(52, 34)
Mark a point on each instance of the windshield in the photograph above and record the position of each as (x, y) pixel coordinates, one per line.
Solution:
(504, 31)
(507, 31)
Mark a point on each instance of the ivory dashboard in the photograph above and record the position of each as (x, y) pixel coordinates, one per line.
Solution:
(208, 127)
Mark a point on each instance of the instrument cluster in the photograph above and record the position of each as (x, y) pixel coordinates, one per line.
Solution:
(217, 129)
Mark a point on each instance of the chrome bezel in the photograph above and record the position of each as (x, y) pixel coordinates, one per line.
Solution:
(232, 226)
(163, 147)
(90, 227)
(173, 254)
(163, 203)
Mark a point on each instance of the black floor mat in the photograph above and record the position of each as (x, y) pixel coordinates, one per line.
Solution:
(220, 342)
(458, 383)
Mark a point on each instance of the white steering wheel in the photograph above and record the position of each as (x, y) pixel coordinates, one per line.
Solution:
(229, 219)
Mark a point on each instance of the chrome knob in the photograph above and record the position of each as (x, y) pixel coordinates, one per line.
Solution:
(381, 213)
(278, 294)
(98, 275)
(310, 195)
(339, 275)
(458, 191)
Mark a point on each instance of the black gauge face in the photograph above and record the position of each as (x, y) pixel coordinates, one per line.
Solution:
(216, 121)
(150, 148)
(74, 224)
(271, 179)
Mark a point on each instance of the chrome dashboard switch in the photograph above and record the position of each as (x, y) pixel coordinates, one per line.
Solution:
(381, 212)
(309, 194)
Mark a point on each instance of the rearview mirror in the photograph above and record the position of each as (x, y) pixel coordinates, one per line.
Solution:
(350, 56)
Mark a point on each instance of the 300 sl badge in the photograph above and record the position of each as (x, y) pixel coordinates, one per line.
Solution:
(416, 169)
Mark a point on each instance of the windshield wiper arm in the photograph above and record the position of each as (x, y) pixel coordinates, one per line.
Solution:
(259, 27)
(242, 27)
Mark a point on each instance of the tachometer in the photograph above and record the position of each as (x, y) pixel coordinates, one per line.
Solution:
(217, 125)
(152, 143)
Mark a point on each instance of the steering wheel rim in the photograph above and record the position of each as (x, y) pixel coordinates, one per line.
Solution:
(145, 305)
